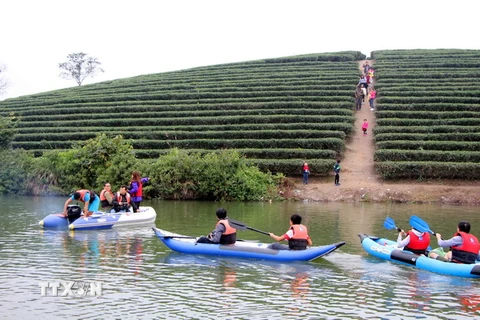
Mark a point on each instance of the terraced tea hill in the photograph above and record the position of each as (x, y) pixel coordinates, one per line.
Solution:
(277, 112)
(428, 118)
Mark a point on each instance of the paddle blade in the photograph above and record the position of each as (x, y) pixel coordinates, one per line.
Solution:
(389, 224)
(237, 224)
(420, 225)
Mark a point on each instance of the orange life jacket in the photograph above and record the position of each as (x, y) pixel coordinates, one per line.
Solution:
(299, 239)
(103, 199)
(468, 251)
(230, 234)
(418, 244)
(102, 195)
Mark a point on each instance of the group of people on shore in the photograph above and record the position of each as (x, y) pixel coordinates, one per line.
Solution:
(464, 247)
(365, 88)
(126, 198)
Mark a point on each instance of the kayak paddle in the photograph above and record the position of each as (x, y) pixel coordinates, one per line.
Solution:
(420, 225)
(389, 224)
(241, 226)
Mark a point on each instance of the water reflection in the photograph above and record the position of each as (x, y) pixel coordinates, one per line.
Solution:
(144, 279)
(93, 249)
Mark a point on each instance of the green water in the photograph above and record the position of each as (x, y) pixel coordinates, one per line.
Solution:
(143, 279)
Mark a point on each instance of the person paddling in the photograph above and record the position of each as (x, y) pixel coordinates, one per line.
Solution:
(415, 241)
(464, 246)
(297, 236)
(223, 233)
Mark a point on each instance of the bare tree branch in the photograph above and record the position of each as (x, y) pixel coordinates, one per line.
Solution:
(79, 66)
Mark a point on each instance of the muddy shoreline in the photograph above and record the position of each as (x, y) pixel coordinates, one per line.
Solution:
(401, 192)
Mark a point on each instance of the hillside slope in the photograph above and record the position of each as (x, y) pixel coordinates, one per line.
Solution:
(277, 112)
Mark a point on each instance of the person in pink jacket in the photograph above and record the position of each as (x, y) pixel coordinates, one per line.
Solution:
(365, 126)
(373, 95)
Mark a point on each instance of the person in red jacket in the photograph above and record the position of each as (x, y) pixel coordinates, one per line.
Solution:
(464, 246)
(415, 241)
(306, 172)
(297, 236)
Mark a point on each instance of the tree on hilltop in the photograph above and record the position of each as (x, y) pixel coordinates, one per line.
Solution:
(3, 81)
(8, 125)
(79, 66)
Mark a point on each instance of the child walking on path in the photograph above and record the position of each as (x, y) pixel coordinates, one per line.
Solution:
(336, 169)
(365, 126)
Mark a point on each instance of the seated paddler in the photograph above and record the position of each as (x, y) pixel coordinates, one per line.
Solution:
(415, 241)
(223, 233)
(297, 236)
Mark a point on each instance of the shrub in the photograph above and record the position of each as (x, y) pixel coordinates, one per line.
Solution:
(214, 176)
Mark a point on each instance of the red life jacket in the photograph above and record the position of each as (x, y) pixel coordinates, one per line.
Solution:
(418, 244)
(83, 192)
(139, 192)
(299, 239)
(468, 251)
(230, 234)
(120, 197)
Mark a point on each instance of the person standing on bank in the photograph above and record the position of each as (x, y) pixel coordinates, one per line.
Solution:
(91, 200)
(336, 170)
(306, 172)
(106, 197)
(136, 190)
(223, 232)
(297, 236)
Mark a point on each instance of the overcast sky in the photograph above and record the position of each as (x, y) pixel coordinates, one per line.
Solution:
(137, 37)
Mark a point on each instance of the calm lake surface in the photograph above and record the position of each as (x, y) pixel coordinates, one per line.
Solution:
(142, 279)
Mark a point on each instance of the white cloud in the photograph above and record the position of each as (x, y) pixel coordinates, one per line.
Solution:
(150, 36)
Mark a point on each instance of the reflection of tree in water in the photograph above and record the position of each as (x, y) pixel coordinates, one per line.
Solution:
(94, 249)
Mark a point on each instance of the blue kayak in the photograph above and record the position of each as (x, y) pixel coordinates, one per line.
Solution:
(241, 249)
(387, 250)
(100, 220)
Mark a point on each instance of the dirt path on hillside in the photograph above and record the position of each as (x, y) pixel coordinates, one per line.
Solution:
(357, 165)
(360, 182)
